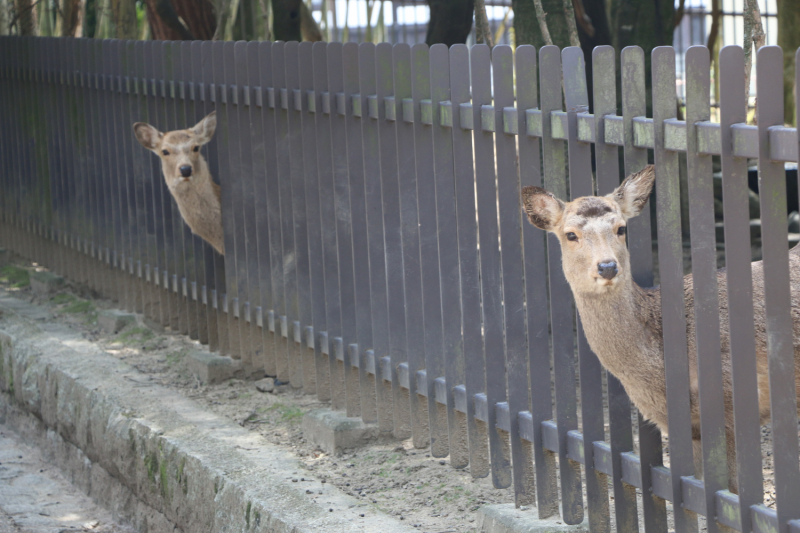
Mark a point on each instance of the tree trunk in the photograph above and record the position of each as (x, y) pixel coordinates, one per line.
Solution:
(450, 22)
(3, 18)
(309, 29)
(175, 20)
(70, 18)
(25, 17)
(789, 41)
(123, 14)
(286, 20)
(645, 23)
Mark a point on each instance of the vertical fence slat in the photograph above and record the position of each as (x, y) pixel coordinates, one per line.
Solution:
(640, 246)
(452, 359)
(214, 295)
(319, 287)
(777, 293)
(354, 231)
(512, 269)
(283, 198)
(118, 283)
(414, 346)
(338, 370)
(374, 219)
(469, 260)
(299, 281)
(670, 261)
(536, 286)
(428, 246)
(604, 86)
(270, 207)
(344, 239)
(704, 273)
(739, 288)
(561, 309)
(313, 261)
(494, 390)
(392, 237)
(590, 372)
(246, 240)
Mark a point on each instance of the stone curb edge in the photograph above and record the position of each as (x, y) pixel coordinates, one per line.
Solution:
(154, 457)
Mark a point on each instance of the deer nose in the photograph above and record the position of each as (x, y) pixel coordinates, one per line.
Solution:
(607, 269)
(186, 171)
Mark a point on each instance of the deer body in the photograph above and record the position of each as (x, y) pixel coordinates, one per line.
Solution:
(188, 177)
(623, 322)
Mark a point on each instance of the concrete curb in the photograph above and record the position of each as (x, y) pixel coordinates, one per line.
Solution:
(505, 518)
(154, 457)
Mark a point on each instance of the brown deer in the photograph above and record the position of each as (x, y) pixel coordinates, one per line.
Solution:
(622, 321)
(187, 175)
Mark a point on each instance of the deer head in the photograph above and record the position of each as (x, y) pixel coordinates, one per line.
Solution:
(592, 230)
(179, 151)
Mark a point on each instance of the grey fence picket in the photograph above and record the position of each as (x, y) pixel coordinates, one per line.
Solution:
(777, 296)
(561, 312)
(739, 287)
(376, 253)
(670, 260)
(312, 223)
(469, 262)
(494, 389)
(581, 184)
(512, 269)
(641, 261)
(536, 287)
(357, 395)
(323, 236)
(450, 371)
(335, 349)
(249, 252)
(387, 114)
(378, 289)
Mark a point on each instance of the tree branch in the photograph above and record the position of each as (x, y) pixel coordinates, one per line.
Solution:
(541, 17)
(753, 33)
(572, 27)
(679, 14)
(482, 30)
(713, 33)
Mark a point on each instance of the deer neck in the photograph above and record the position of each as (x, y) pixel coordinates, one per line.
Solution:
(623, 328)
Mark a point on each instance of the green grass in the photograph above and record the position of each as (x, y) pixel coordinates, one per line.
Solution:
(63, 298)
(15, 277)
(135, 336)
(80, 306)
(288, 413)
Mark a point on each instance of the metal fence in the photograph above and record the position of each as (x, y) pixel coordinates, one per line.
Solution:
(366, 192)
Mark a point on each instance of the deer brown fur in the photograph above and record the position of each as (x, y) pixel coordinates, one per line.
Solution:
(622, 321)
(187, 176)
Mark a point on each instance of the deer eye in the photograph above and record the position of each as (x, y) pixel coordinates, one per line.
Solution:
(165, 152)
(622, 230)
(571, 236)
(196, 149)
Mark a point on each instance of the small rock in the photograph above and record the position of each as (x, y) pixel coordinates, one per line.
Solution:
(265, 385)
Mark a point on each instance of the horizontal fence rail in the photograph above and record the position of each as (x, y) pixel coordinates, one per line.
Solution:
(376, 253)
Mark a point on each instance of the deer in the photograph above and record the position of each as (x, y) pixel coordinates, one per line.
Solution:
(622, 321)
(187, 175)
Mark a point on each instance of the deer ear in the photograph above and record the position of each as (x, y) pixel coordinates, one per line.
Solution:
(633, 193)
(147, 135)
(543, 209)
(206, 127)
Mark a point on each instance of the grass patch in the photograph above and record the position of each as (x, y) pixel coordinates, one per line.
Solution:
(15, 277)
(135, 336)
(63, 298)
(81, 306)
(288, 413)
